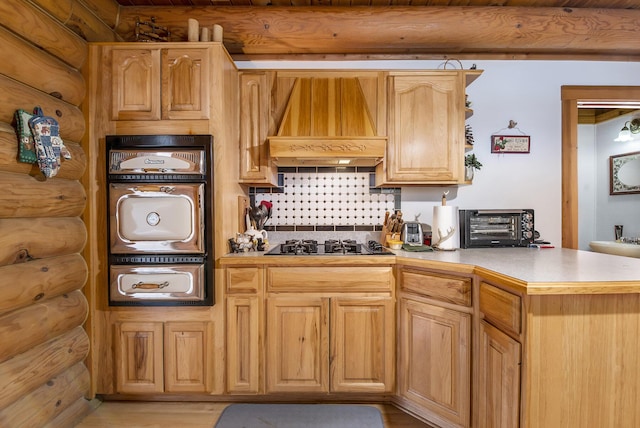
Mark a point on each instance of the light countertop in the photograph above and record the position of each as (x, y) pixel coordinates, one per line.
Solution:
(532, 270)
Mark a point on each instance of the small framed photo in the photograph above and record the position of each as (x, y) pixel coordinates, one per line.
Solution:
(510, 143)
(624, 173)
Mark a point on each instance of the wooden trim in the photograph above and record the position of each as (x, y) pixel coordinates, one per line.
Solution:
(570, 96)
(427, 30)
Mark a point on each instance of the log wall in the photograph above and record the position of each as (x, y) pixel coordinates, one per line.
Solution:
(44, 380)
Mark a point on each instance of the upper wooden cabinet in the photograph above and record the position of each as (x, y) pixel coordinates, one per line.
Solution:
(155, 83)
(255, 165)
(426, 114)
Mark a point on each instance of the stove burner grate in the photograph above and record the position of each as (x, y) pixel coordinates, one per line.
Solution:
(299, 246)
(347, 246)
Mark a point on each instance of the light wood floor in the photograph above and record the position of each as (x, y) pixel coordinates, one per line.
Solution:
(135, 414)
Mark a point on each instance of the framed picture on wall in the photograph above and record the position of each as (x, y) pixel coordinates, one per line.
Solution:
(624, 173)
(510, 143)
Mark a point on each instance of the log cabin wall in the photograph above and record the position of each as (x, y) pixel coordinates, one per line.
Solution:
(44, 380)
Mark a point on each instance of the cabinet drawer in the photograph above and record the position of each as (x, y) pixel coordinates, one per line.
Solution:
(501, 308)
(446, 288)
(244, 280)
(313, 279)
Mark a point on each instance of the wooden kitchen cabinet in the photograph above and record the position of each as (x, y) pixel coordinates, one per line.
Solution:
(498, 379)
(362, 346)
(330, 330)
(426, 125)
(188, 353)
(155, 83)
(139, 357)
(156, 357)
(255, 164)
(434, 363)
(297, 344)
(244, 312)
(499, 357)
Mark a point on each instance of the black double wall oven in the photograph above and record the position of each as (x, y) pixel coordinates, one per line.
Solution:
(160, 207)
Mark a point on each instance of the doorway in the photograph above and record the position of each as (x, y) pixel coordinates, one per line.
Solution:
(572, 96)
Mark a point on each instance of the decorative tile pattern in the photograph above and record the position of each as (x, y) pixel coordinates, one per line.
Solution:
(324, 198)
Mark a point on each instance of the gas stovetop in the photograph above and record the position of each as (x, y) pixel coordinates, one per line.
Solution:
(331, 247)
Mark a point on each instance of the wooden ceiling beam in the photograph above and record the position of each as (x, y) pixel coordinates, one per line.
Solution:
(432, 30)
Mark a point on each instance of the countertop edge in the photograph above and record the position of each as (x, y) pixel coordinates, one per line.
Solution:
(569, 264)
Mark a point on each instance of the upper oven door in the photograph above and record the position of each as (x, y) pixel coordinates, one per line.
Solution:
(156, 218)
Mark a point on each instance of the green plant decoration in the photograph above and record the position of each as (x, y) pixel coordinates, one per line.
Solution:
(472, 161)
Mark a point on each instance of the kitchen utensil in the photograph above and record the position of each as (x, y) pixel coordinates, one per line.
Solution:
(258, 217)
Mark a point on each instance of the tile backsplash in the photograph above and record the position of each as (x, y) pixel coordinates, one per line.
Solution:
(326, 198)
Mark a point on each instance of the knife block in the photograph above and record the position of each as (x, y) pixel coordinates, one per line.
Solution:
(385, 236)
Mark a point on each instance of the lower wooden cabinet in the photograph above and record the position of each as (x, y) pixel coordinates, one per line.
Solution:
(362, 344)
(244, 325)
(498, 379)
(243, 339)
(139, 357)
(155, 357)
(434, 347)
(297, 357)
(435, 367)
(339, 344)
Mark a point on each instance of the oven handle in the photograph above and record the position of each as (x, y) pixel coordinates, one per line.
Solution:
(154, 188)
(149, 286)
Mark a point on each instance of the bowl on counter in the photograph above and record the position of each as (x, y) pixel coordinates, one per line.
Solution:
(394, 244)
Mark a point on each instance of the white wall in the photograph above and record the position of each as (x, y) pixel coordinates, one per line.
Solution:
(525, 91)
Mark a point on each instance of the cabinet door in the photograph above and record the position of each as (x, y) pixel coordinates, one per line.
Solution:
(255, 165)
(243, 346)
(434, 365)
(139, 356)
(185, 83)
(362, 344)
(297, 344)
(188, 356)
(426, 128)
(135, 82)
(499, 379)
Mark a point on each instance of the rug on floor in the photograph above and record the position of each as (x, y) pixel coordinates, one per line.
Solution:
(300, 415)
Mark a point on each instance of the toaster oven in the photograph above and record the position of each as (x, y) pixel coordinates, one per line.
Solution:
(496, 228)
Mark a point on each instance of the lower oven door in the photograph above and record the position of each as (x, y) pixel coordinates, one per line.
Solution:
(156, 218)
(164, 284)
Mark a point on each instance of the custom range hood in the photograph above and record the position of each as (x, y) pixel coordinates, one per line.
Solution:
(327, 122)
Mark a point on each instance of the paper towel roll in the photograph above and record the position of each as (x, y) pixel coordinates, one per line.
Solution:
(445, 222)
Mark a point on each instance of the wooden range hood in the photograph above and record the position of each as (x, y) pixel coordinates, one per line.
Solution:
(327, 122)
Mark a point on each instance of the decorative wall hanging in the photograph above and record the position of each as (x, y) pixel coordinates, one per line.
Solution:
(507, 141)
(624, 173)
